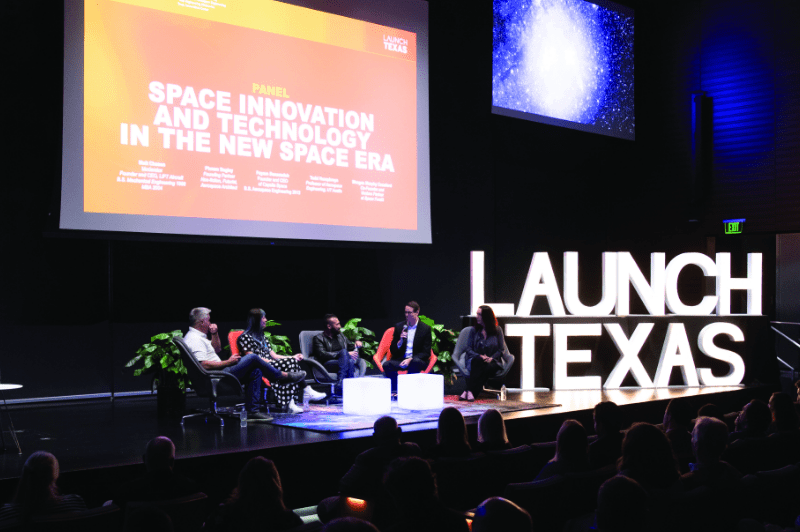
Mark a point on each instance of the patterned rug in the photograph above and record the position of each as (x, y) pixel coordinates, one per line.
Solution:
(330, 418)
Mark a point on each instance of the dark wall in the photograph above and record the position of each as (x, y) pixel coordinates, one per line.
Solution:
(74, 309)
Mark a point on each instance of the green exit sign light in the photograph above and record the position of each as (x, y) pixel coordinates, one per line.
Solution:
(733, 227)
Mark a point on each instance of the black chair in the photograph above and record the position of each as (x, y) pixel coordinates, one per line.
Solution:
(211, 384)
(460, 360)
(326, 373)
(463, 482)
(188, 513)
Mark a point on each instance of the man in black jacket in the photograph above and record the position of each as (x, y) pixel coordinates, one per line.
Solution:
(331, 344)
(411, 345)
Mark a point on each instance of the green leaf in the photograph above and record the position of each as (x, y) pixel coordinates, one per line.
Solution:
(426, 320)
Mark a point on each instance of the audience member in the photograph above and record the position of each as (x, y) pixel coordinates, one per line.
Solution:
(572, 451)
(256, 502)
(160, 482)
(349, 524)
(37, 493)
(784, 415)
(412, 488)
(499, 514)
(711, 410)
(677, 427)
(709, 440)
(607, 448)
(749, 449)
(647, 458)
(451, 435)
(622, 506)
(492, 431)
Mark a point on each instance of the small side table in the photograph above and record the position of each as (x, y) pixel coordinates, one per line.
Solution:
(3, 388)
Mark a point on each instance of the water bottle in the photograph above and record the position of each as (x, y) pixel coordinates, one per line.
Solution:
(503, 393)
(243, 418)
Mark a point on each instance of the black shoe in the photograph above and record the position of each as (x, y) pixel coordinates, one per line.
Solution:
(258, 417)
(292, 377)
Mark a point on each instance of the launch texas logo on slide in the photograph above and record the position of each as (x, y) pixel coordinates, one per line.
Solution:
(619, 273)
(395, 44)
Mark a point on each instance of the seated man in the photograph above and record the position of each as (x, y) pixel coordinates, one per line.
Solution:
(411, 345)
(248, 369)
(161, 482)
(331, 344)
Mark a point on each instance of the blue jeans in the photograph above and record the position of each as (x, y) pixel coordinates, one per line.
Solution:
(250, 369)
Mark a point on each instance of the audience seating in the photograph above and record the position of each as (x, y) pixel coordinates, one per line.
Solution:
(772, 496)
(188, 513)
(463, 481)
(101, 519)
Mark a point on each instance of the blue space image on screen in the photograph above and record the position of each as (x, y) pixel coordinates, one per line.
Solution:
(565, 62)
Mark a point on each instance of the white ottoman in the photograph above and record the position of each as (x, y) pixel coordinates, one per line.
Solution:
(420, 391)
(367, 396)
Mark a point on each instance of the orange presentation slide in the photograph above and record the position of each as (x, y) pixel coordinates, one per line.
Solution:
(246, 112)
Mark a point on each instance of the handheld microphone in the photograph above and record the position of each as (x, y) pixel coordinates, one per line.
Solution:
(400, 343)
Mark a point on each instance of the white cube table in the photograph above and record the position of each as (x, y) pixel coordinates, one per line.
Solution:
(420, 391)
(367, 396)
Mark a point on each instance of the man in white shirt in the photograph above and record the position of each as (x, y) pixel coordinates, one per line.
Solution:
(248, 369)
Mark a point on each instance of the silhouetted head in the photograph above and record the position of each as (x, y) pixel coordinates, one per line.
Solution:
(492, 428)
(755, 417)
(607, 418)
(498, 514)
(647, 457)
(386, 431)
(783, 411)
(159, 454)
(711, 410)
(259, 484)
(37, 484)
(709, 439)
(621, 506)
(572, 444)
(452, 428)
(410, 482)
(678, 414)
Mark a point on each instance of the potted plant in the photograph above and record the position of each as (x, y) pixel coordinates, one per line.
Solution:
(369, 345)
(161, 359)
(443, 343)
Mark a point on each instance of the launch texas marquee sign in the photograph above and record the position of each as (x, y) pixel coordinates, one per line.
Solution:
(698, 356)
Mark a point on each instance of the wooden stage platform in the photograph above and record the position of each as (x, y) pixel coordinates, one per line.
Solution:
(99, 444)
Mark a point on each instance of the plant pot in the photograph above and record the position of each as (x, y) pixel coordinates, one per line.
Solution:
(171, 400)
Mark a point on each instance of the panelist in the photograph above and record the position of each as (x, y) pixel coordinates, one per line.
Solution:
(331, 344)
(411, 345)
(253, 342)
(484, 349)
(248, 369)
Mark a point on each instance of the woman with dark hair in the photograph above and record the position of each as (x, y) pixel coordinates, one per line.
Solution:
(648, 459)
(252, 340)
(451, 435)
(37, 493)
(256, 502)
(484, 350)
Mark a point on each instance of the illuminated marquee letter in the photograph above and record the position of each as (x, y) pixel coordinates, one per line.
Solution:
(629, 361)
(477, 296)
(571, 299)
(674, 303)
(751, 283)
(676, 351)
(706, 343)
(528, 332)
(540, 282)
(563, 356)
(652, 294)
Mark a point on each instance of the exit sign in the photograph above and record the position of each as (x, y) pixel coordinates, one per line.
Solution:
(733, 227)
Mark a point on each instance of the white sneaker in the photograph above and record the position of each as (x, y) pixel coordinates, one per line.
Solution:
(293, 408)
(312, 394)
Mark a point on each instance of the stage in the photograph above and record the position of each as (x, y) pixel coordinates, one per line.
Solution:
(99, 444)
